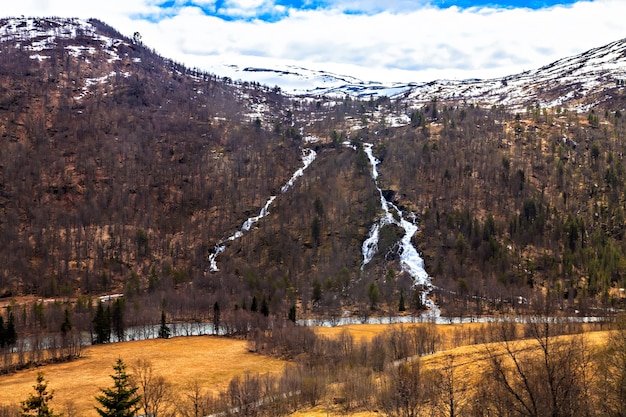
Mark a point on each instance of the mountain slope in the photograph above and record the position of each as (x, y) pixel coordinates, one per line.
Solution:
(578, 82)
(121, 171)
(135, 163)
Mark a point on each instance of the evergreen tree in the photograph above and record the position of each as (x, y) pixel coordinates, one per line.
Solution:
(254, 307)
(122, 399)
(102, 324)
(417, 303)
(216, 317)
(317, 292)
(10, 335)
(373, 294)
(117, 319)
(265, 309)
(66, 326)
(401, 306)
(164, 330)
(37, 405)
(316, 230)
(292, 314)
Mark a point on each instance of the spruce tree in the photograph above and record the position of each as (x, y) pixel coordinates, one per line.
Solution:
(66, 326)
(216, 318)
(37, 405)
(117, 319)
(102, 324)
(164, 330)
(10, 335)
(122, 399)
(265, 309)
(401, 306)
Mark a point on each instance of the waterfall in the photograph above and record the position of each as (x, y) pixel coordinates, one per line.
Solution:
(308, 156)
(410, 260)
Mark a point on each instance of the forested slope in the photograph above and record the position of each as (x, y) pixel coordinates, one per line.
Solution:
(121, 170)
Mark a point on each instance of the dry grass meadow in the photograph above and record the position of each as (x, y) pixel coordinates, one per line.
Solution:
(212, 361)
(215, 361)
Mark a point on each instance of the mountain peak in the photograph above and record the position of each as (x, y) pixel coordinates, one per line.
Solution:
(578, 82)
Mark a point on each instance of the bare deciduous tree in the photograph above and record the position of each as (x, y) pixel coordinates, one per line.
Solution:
(155, 391)
(612, 381)
(540, 379)
(403, 391)
(195, 401)
(451, 399)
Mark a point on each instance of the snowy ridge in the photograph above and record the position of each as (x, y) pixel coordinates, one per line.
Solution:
(576, 82)
(38, 35)
(41, 35)
(566, 82)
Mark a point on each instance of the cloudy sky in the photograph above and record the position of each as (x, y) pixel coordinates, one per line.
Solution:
(384, 40)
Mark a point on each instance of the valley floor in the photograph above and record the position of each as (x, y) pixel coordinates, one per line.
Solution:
(214, 361)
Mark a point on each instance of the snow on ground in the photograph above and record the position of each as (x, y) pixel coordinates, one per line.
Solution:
(556, 84)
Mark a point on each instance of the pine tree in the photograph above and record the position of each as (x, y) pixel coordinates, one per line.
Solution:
(164, 330)
(10, 335)
(102, 324)
(122, 399)
(373, 294)
(216, 317)
(265, 309)
(37, 405)
(117, 319)
(66, 326)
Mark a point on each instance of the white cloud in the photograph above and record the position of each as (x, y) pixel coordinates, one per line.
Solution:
(419, 43)
(247, 8)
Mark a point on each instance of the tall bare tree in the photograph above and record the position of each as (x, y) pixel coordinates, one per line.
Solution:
(544, 378)
(155, 390)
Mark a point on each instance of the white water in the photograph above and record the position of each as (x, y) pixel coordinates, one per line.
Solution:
(410, 260)
(308, 156)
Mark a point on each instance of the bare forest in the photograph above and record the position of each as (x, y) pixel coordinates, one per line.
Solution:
(118, 178)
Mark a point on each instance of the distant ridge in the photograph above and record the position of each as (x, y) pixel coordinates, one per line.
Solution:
(578, 82)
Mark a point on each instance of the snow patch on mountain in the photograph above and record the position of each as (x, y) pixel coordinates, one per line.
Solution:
(568, 82)
(576, 82)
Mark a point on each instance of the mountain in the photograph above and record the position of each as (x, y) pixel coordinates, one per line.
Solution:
(297, 80)
(122, 171)
(578, 82)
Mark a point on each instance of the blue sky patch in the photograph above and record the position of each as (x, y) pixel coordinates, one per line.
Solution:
(279, 9)
(508, 4)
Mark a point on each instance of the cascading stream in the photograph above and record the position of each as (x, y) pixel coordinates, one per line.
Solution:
(410, 260)
(308, 156)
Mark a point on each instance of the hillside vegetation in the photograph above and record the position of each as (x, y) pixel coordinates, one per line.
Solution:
(120, 172)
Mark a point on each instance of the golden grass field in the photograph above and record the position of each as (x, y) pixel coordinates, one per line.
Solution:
(470, 360)
(214, 362)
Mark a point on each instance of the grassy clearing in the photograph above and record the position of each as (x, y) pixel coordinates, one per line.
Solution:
(215, 361)
(451, 335)
(212, 361)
